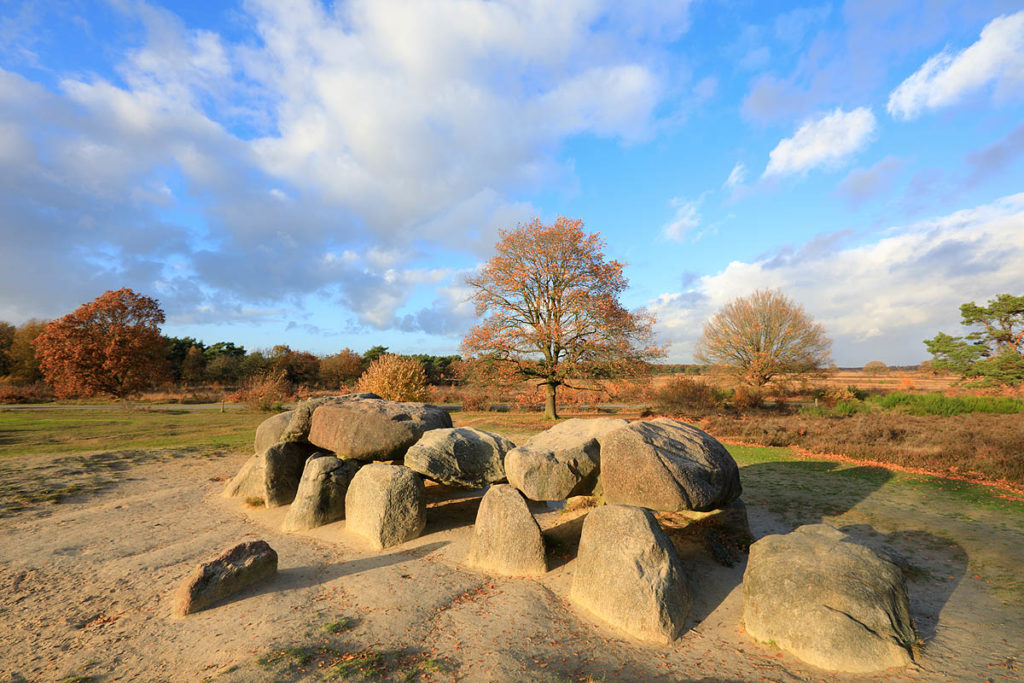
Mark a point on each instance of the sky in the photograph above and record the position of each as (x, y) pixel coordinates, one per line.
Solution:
(326, 174)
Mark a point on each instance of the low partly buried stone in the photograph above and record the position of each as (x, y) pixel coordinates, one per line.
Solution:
(561, 462)
(629, 574)
(386, 504)
(270, 430)
(463, 457)
(222, 576)
(827, 600)
(272, 475)
(667, 465)
(373, 429)
(320, 498)
(506, 538)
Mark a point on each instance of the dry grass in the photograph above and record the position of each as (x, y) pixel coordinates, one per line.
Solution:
(976, 445)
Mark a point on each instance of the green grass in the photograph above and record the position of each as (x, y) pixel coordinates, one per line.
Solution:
(938, 404)
(78, 430)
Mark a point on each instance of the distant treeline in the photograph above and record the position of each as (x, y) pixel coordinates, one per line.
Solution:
(191, 362)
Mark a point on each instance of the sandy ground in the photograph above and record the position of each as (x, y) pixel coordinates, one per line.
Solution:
(85, 587)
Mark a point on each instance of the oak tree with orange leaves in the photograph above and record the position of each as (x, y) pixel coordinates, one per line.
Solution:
(762, 336)
(111, 345)
(549, 303)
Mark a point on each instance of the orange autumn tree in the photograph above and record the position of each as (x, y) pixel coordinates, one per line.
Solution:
(764, 335)
(552, 309)
(111, 345)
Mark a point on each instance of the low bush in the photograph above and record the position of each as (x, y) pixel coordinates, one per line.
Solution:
(745, 398)
(37, 392)
(681, 395)
(264, 391)
(395, 378)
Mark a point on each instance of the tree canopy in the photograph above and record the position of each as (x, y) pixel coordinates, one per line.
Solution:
(111, 345)
(762, 336)
(992, 354)
(550, 307)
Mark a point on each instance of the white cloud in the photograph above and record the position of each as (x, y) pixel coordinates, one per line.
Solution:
(878, 300)
(737, 176)
(825, 141)
(947, 78)
(685, 220)
(380, 130)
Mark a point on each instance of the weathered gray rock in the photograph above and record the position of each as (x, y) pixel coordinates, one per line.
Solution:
(628, 573)
(249, 481)
(830, 602)
(506, 538)
(272, 475)
(302, 417)
(231, 571)
(462, 457)
(320, 498)
(373, 429)
(270, 430)
(386, 504)
(561, 462)
(667, 465)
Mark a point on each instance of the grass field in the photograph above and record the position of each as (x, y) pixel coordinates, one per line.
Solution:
(77, 430)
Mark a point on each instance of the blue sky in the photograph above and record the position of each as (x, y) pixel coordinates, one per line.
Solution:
(324, 175)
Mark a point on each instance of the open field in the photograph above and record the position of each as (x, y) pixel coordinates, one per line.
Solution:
(85, 582)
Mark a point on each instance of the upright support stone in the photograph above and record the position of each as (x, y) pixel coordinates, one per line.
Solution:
(628, 573)
(506, 537)
(386, 504)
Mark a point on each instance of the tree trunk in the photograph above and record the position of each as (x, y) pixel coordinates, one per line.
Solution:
(550, 407)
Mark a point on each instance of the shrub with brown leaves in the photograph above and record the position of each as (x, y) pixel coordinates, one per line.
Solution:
(395, 378)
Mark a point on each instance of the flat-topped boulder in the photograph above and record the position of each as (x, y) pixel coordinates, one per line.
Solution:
(270, 430)
(462, 457)
(272, 475)
(628, 573)
(372, 428)
(506, 537)
(667, 465)
(386, 504)
(302, 417)
(827, 600)
(561, 462)
(320, 498)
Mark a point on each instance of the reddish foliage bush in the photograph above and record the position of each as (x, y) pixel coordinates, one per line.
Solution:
(25, 393)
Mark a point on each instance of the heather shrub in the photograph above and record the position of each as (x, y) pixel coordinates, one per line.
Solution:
(744, 397)
(395, 378)
(681, 395)
(264, 391)
(37, 392)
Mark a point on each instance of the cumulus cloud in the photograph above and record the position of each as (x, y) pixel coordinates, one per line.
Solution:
(824, 141)
(876, 299)
(334, 149)
(947, 78)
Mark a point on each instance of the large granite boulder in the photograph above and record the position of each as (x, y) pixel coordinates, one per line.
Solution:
(462, 457)
(629, 574)
(386, 504)
(302, 417)
(667, 465)
(272, 475)
(506, 538)
(561, 462)
(827, 600)
(373, 429)
(270, 430)
(231, 571)
(320, 498)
